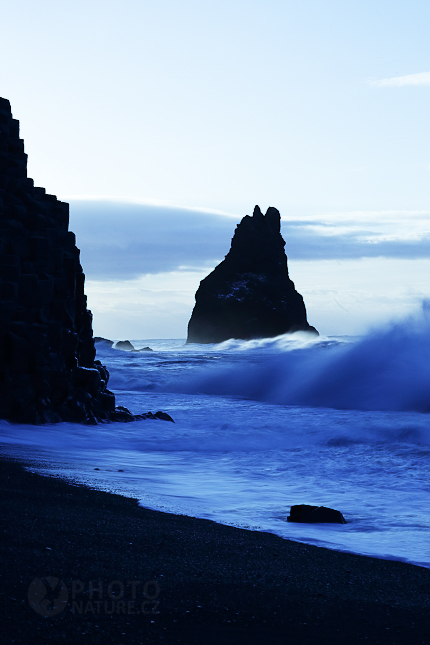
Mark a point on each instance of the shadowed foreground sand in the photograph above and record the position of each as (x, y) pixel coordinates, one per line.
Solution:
(116, 573)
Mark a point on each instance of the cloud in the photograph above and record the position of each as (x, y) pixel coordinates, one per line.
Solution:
(125, 240)
(305, 244)
(152, 306)
(360, 234)
(423, 78)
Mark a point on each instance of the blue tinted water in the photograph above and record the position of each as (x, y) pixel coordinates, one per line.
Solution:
(262, 425)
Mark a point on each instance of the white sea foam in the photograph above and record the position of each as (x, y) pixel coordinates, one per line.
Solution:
(386, 370)
(261, 425)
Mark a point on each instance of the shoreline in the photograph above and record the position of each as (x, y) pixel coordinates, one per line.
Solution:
(48, 468)
(177, 579)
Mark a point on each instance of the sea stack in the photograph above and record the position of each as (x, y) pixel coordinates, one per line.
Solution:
(48, 370)
(249, 294)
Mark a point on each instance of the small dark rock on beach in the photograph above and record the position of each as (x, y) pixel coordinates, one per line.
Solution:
(307, 514)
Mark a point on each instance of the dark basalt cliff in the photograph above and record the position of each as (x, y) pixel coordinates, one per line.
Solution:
(249, 294)
(48, 370)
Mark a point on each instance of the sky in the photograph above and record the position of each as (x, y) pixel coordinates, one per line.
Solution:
(163, 123)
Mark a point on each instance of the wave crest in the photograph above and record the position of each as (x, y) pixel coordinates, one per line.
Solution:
(388, 369)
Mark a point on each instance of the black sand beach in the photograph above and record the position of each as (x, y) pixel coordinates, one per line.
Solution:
(175, 579)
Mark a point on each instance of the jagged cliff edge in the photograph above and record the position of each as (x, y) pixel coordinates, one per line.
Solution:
(249, 294)
(48, 370)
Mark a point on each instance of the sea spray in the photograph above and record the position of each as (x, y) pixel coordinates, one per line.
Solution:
(388, 369)
(242, 460)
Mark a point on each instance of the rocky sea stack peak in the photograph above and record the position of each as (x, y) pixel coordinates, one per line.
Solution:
(249, 294)
(48, 370)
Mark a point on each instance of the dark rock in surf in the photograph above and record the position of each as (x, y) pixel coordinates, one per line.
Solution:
(307, 514)
(125, 416)
(249, 294)
(104, 342)
(48, 370)
(162, 416)
(125, 345)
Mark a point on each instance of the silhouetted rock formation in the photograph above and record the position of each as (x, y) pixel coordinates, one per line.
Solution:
(125, 345)
(162, 416)
(306, 514)
(249, 294)
(104, 342)
(48, 370)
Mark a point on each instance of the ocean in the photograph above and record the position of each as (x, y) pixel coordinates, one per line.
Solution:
(262, 425)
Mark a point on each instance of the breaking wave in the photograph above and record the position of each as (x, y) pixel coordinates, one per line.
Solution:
(388, 369)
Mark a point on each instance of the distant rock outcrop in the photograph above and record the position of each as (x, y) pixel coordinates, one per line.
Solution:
(249, 294)
(125, 345)
(103, 342)
(48, 370)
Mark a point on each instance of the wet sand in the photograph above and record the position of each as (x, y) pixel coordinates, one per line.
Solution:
(123, 574)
